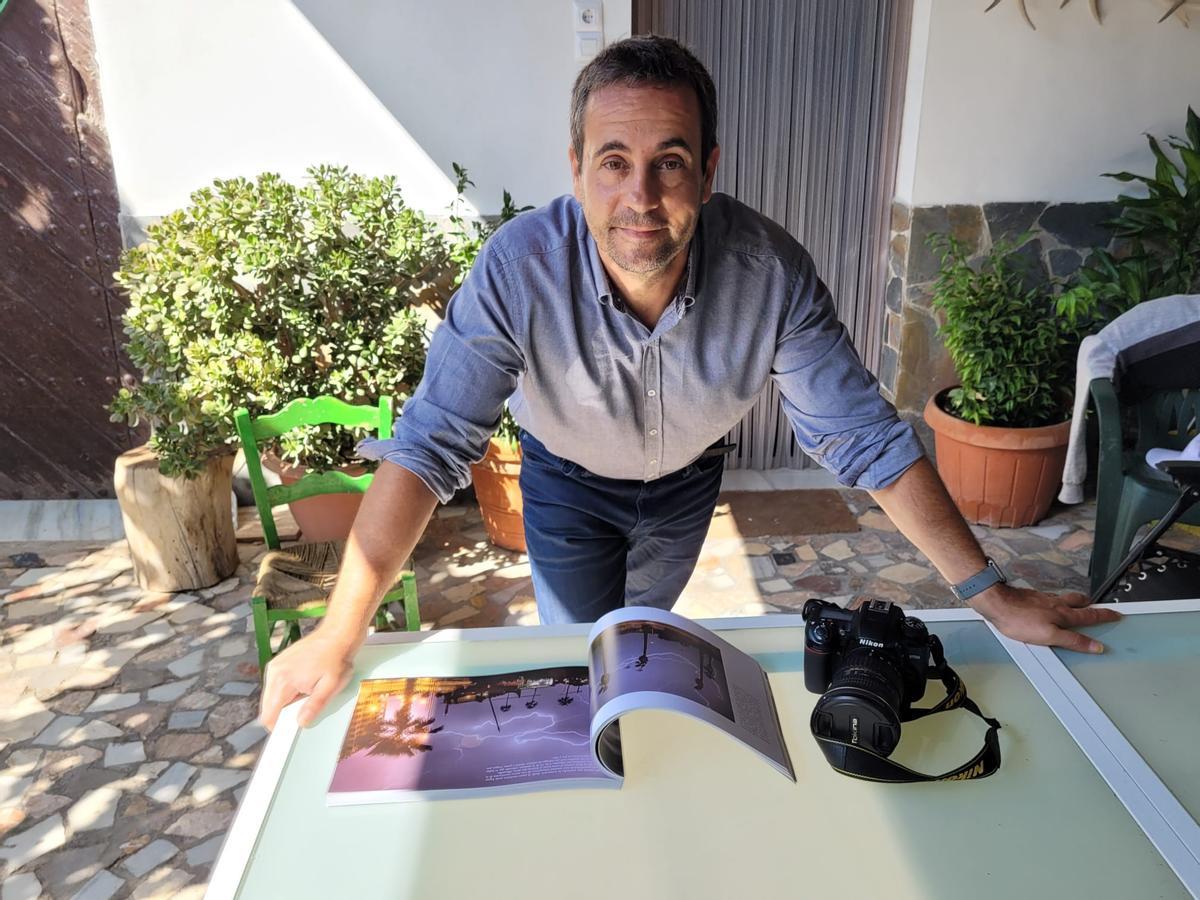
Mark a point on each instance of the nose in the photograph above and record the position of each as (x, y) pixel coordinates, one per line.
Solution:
(643, 190)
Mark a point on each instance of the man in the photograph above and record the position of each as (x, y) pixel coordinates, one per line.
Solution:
(637, 322)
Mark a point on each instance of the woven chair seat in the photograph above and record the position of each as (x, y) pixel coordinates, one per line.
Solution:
(299, 577)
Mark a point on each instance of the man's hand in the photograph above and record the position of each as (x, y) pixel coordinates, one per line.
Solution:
(317, 666)
(1036, 617)
(380, 541)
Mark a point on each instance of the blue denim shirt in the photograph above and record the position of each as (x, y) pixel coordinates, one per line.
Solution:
(537, 319)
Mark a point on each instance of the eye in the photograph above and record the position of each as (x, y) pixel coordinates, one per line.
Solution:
(613, 163)
(673, 164)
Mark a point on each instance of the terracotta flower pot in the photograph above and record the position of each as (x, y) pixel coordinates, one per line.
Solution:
(1003, 477)
(326, 517)
(498, 490)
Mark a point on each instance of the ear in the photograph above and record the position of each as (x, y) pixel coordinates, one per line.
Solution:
(710, 172)
(576, 175)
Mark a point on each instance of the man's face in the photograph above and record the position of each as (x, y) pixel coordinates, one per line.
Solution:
(641, 181)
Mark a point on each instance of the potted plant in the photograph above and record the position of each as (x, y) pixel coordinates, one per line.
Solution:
(261, 292)
(1001, 433)
(1159, 233)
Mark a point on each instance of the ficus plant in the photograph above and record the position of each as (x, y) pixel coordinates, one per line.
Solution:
(262, 291)
(1012, 341)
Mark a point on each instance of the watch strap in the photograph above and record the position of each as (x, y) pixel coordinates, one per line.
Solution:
(979, 582)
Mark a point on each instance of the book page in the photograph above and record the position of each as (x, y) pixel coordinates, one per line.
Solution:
(515, 730)
(645, 658)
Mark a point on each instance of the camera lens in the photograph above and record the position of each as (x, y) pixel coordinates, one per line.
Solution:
(862, 705)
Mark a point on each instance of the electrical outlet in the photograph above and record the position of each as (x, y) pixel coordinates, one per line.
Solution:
(589, 28)
(589, 16)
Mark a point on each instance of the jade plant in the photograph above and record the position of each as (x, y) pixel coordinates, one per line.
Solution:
(1012, 340)
(263, 291)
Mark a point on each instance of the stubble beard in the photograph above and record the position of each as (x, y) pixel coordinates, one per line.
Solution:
(645, 260)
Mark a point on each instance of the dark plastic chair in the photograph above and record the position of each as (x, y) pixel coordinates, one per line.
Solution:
(294, 582)
(1129, 493)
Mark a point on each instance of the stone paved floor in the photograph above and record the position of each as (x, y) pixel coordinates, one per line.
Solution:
(127, 727)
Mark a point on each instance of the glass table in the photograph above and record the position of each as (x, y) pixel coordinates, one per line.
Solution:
(700, 815)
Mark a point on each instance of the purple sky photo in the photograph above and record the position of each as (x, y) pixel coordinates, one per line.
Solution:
(669, 665)
(469, 744)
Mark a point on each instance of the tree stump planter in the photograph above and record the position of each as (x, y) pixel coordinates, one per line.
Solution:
(1001, 477)
(497, 479)
(180, 531)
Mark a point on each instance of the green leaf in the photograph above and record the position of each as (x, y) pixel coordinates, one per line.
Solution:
(1191, 159)
(1165, 170)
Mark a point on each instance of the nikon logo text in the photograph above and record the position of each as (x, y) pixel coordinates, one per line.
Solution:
(974, 772)
(870, 643)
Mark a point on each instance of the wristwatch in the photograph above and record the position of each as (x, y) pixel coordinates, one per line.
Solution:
(980, 581)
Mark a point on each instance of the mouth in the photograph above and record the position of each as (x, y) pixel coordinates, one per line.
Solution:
(640, 233)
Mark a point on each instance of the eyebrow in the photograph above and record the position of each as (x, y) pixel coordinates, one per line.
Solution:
(665, 145)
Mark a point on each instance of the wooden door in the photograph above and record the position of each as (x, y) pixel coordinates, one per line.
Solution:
(59, 244)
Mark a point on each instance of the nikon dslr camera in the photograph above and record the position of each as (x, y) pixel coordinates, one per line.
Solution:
(869, 665)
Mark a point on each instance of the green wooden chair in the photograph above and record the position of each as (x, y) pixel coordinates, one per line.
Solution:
(1128, 492)
(295, 583)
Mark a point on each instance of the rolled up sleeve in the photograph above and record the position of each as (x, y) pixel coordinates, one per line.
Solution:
(831, 400)
(472, 367)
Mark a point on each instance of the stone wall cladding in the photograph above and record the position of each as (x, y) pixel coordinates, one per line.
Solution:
(915, 364)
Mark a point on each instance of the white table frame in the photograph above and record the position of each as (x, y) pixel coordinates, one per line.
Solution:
(1163, 819)
(1165, 822)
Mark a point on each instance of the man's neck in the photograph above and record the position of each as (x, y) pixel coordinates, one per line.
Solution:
(648, 296)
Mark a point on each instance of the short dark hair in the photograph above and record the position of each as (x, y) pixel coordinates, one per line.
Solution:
(648, 60)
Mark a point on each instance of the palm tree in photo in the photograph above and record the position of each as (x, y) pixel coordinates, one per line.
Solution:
(644, 658)
(404, 734)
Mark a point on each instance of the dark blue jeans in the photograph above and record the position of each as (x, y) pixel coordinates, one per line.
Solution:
(596, 544)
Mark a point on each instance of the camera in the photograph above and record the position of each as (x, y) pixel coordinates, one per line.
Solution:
(869, 665)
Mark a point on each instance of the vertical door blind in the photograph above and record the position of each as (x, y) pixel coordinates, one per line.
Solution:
(809, 95)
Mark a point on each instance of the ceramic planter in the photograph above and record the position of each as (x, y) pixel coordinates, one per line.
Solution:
(498, 490)
(1004, 477)
(326, 517)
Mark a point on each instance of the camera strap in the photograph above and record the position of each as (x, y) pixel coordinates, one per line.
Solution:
(859, 762)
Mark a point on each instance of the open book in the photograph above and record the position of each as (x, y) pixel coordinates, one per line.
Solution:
(421, 738)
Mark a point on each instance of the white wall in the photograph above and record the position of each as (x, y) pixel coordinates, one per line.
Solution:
(995, 111)
(195, 91)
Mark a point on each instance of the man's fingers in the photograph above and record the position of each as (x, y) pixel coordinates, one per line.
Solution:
(278, 692)
(1089, 615)
(1073, 640)
(1074, 598)
(325, 688)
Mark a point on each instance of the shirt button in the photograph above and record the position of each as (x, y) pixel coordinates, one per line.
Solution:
(654, 462)
(653, 432)
(652, 393)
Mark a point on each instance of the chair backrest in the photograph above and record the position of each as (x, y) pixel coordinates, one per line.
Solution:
(318, 411)
(1168, 419)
